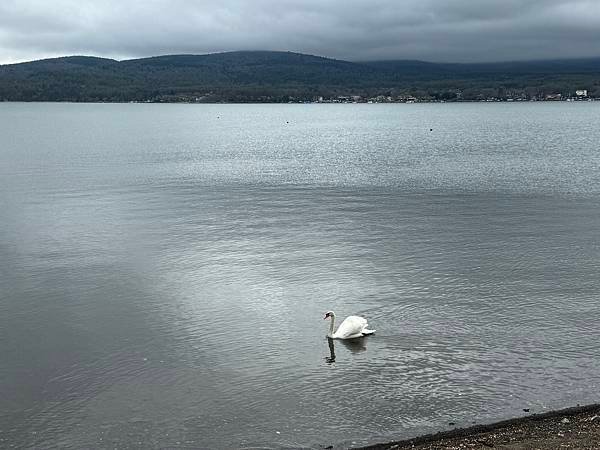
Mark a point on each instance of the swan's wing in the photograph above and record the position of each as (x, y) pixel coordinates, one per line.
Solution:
(351, 327)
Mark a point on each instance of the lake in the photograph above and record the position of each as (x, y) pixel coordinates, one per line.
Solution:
(165, 270)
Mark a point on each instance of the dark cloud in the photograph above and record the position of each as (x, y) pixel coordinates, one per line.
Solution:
(434, 30)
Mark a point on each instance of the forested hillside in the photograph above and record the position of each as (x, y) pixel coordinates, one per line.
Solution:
(284, 76)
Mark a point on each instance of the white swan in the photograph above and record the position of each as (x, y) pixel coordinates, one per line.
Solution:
(352, 327)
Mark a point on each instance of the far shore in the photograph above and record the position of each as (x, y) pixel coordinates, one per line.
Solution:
(572, 428)
(190, 101)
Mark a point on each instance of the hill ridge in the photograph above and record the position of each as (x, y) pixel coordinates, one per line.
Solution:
(259, 75)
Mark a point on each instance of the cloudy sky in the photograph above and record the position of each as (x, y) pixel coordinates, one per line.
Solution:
(433, 30)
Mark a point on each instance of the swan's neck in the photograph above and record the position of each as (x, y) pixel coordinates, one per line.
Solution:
(331, 325)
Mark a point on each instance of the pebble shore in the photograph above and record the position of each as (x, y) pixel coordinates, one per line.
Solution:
(571, 428)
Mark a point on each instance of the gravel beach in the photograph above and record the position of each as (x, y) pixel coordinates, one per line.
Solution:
(571, 428)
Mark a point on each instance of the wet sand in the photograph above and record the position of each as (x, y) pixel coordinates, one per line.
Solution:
(571, 428)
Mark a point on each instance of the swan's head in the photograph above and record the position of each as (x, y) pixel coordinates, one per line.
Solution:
(329, 314)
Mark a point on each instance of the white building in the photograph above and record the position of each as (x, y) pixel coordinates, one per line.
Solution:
(581, 93)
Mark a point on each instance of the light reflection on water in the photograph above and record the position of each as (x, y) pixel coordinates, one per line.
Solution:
(164, 273)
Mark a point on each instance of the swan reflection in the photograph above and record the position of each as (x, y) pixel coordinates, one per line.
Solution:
(357, 345)
(331, 358)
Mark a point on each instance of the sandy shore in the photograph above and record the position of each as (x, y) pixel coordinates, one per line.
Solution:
(572, 428)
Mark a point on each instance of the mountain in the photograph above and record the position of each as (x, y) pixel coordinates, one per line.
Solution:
(279, 76)
(559, 66)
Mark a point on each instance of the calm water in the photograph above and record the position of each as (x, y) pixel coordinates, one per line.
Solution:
(164, 270)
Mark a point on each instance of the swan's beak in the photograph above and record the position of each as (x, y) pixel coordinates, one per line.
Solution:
(326, 316)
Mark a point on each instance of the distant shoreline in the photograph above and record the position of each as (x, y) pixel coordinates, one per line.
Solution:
(588, 100)
(575, 427)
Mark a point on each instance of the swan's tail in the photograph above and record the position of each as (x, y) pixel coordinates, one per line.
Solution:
(366, 331)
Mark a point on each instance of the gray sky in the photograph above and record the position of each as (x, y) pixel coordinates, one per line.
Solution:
(432, 30)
